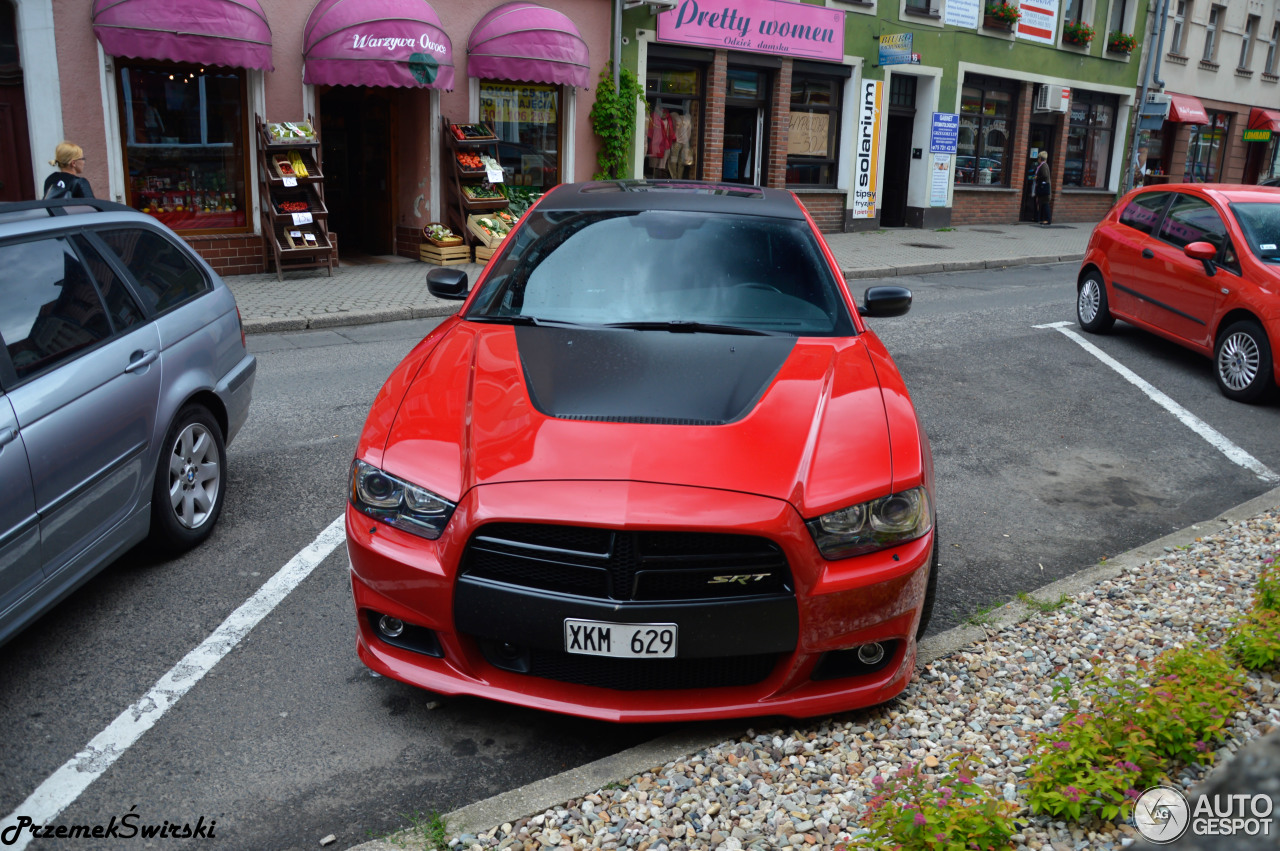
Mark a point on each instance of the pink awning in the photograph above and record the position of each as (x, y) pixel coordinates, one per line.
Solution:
(234, 33)
(1186, 109)
(527, 42)
(396, 43)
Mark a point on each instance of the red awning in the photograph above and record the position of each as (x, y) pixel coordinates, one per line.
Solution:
(396, 43)
(211, 32)
(525, 41)
(1264, 119)
(1186, 109)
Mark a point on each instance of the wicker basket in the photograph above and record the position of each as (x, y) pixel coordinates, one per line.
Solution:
(443, 243)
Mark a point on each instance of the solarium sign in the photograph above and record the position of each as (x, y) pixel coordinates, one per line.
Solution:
(761, 26)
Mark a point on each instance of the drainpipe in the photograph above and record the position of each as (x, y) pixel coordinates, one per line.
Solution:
(1150, 76)
(617, 41)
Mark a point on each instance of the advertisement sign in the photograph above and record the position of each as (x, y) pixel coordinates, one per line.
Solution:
(939, 180)
(895, 49)
(1256, 136)
(962, 13)
(1039, 20)
(866, 158)
(761, 26)
(945, 133)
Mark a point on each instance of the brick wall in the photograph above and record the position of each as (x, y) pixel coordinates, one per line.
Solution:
(230, 254)
(779, 128)
(713, 131)
(408, 241)
(827, 211)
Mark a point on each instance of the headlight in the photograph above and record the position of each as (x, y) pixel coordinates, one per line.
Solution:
(397, 502)
(874, 525)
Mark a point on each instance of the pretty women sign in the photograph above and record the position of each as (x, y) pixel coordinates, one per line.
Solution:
(762, 26)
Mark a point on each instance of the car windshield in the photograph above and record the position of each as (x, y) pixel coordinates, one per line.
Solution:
(666, 270)
(1261, 225)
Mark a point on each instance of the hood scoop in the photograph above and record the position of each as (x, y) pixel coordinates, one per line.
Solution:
(649, 377)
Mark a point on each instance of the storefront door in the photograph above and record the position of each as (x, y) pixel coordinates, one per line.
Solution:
(742, 144)
(1041, 139)
(16, 181)
(355, 141)
(897, 171)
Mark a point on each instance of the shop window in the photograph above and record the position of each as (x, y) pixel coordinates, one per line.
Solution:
(526, 119)
(185, 154)
(1090, 136)
(1207, 148)
(1271, 160)
(673, 94)
(986, 109)
(813, 137)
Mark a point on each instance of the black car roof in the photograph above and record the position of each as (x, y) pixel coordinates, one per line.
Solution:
(685, 195)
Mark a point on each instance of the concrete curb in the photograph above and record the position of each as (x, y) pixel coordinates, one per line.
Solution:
(955, 266)
(544, 794)
(340, 320)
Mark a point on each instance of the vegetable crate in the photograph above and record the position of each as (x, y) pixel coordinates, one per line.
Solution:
(489, 237)
(444, 255)
(483, 254)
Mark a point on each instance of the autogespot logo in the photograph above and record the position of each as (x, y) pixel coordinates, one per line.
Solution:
(1162, 814)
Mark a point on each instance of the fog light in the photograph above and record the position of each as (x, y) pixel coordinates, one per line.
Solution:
(392, 627)
(870, 654)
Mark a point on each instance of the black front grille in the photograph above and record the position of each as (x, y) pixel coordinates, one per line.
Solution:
(649, 674)
(620, 565)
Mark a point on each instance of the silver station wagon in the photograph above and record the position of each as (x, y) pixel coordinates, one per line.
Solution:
(123, 377)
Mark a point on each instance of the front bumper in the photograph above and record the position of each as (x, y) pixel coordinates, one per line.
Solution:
(750, 655)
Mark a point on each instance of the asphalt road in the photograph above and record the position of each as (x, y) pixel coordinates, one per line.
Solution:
(1047, 459)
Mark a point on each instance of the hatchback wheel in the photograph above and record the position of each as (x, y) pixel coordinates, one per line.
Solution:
(1242, 361)
(191, 480)
(1092, 311)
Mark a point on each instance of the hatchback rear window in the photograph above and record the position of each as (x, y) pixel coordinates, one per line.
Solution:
(166, 276)
(610, 267)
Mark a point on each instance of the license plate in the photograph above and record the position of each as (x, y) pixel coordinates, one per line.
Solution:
(620, 640)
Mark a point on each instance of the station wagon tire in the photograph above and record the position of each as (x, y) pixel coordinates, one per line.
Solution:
(191, 481)
(931, 588)
(1242, 361)
(1092, 311)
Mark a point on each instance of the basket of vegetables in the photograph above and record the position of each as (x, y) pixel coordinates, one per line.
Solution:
(439, 234)
(491, 228)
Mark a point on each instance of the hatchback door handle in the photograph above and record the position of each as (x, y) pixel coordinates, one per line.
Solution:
(8, 436)
(138, 360)
(1148, 253)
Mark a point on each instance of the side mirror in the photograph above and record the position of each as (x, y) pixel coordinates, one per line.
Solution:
(448, 283)
(1205, 252)
(885, 301)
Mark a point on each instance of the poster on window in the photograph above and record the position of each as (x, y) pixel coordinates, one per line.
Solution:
(866, 160)
(961, 13)
(1039, 20)
(808, 134)
(525, 103)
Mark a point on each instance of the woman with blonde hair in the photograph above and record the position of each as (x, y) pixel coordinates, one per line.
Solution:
(66, 182)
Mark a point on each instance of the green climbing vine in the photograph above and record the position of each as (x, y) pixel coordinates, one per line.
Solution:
(613, 117)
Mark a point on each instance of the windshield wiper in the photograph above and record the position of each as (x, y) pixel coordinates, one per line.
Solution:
(517, 319)
(690, 327)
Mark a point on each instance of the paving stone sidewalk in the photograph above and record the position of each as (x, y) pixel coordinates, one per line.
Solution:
(396, 288)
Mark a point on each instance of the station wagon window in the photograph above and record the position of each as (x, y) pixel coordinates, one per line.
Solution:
(1191, 219)
(121, 308)
(166, 276)
(52, 310)
(1143, 212)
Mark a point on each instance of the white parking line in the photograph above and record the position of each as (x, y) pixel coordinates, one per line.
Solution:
(66, 784)
(1215, 438)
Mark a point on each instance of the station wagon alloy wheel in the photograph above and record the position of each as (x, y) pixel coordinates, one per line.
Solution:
(193, 475)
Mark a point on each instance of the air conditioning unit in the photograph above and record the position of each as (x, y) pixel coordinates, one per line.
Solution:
(1052, 99)
(1157, 105)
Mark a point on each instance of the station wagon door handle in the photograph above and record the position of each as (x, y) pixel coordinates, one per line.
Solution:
(139, 360)
(1148, 253)
(8, 436)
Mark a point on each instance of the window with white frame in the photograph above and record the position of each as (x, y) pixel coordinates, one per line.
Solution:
(1246, 41)
(1119, 17)
(1211, 33)
(1181, 13)
(1073, 12)
(1270, 66)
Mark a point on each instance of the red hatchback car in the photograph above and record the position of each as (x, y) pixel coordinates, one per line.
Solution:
(656, 468)
(1198, 264)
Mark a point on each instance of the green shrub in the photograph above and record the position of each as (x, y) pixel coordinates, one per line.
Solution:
(1267, 594)
(938, 812)
(1254, 640)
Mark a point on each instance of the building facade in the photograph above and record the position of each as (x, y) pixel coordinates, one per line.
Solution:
(848, 103)
(1220, 69)
(166, 100)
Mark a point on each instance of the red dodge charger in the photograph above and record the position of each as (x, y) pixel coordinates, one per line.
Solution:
(656, 468)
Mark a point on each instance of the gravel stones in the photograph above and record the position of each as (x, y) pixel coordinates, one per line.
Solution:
(806, 785)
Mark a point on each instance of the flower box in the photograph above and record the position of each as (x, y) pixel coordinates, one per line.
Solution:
(1119, 42)
(1077, 33)
(1001, 16)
